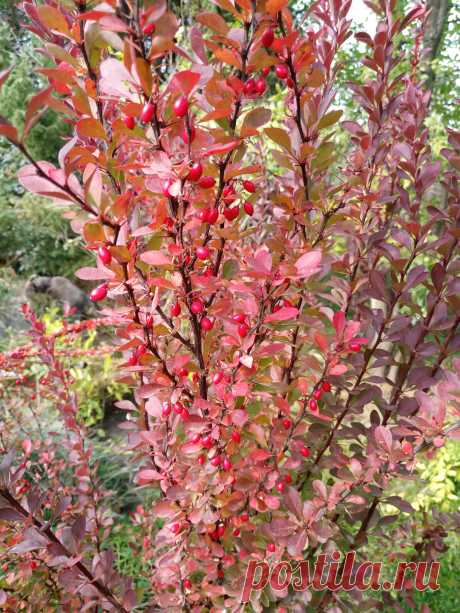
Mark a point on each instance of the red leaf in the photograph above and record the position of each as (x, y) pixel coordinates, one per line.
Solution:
(155, 258)
(282, 315)
(383, 437)
(93, 274)
(185, 81)
(222, 148)
(308, 264)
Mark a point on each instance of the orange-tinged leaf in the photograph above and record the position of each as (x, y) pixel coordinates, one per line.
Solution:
(90, 127)
(275, 6)
(53, 19)
(220, 113)
(93, 231)
(279, 136)
(228, 57)
(256, 118)
(144, 73)
(213, 21)
(8, 131)
(329, 119)
(227, 6)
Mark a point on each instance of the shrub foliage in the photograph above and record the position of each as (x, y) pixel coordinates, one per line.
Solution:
(265, 292)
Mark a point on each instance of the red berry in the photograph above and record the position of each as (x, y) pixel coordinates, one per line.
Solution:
(203, 215)
(261, 86)
(149, 321)
(271, 547)
(197, 306)
(287, 478)
(220, 530)
(178, 408)
(313, 405)
(228, 190)
(249, 87)
(147, 113)
(231, 213)
(195, 172)
(129, 122)
(175, 309)
(217, 378)
(212, 216)
(236, 532)
(188, 137)
(180, 107)
(268, 37)
(201, 460)
(227, 465)
(183, 372)
(266, 70)
(99, 292)
(354, 346)
(216, 460)
(195, 439)
(280, 486)
(305, 452)
(244, 517)
(248, 208)
(243, 330)
(281, 71)
(105, 255)
(187, 584)
(202, 253)
(317, 393)
(207, 182)
(175, 527)
(206, 324)
(287, 423)
(206, 441)
(236, 436)
(326, 386)
(249, 186)
(239, 318)
(406, 447)
(148, 29)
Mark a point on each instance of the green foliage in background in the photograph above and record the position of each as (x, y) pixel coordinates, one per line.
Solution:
(439, 483)
(35, 238)
(92, 374)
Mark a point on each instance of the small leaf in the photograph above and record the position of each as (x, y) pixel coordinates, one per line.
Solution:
(90, 127)
(283, 314)
(309, 263)
(383, 437)
(53, 19)
(280, 137)
(329, 119)
(155, 258)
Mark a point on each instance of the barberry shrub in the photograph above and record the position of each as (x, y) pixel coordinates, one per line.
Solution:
(287, 305)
